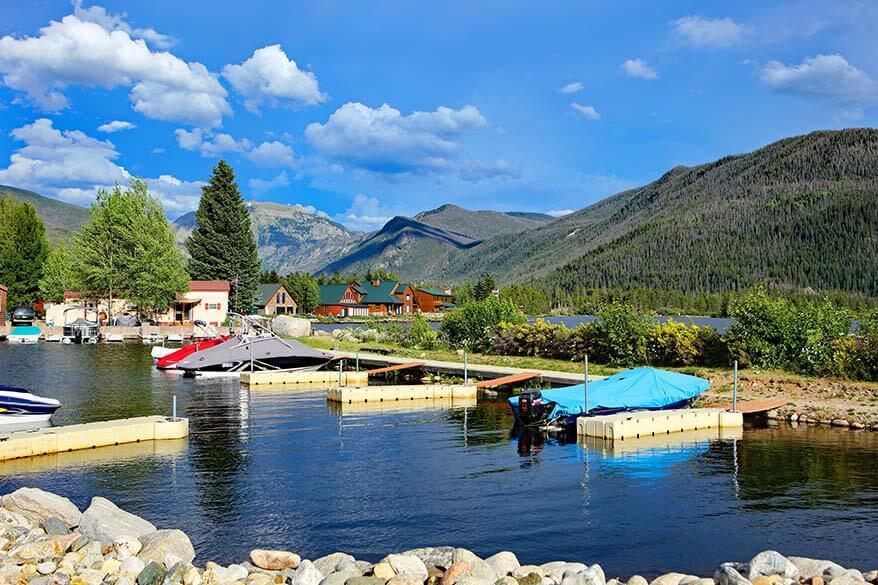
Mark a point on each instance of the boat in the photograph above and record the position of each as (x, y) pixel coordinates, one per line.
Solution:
(19, 406)
(81, 331)
(637, 389)
(253, 352)
(174, 338)
(24, 334)
(115, 338)
(167, 359)
(54, 338)
(151, 337)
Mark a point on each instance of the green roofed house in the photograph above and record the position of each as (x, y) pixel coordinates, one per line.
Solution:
(275, 299)
(366, 297)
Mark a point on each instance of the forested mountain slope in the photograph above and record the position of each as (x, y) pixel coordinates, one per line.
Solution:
(61, 219)
(801, 212)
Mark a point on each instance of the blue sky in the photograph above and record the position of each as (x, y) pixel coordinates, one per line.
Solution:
(365, 110)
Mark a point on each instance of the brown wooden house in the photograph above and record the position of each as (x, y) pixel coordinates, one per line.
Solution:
(430, 300)
(275, 299)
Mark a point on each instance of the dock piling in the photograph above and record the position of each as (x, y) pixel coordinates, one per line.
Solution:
(174, 408)
(585, 384)
(735, 388)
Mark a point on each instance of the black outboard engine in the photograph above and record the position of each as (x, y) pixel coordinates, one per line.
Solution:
(531, 408)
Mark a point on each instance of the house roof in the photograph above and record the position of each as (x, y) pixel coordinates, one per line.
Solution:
(435, 292)
(266, 291)
(380, 294)
(209, 285)
(331, 294)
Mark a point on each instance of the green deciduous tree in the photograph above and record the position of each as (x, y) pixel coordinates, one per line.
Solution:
(59, 274)
(221, 246)
(127, 249)
(304, 289)
(23, 251)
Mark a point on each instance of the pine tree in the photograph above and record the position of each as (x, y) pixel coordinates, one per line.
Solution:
(22, 253)
(222, 246)
(484, 287)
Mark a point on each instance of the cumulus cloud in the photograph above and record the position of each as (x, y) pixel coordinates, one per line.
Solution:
(116, 126)
(365, 214)
(639, 68)
(702, 32)
(261, 185)
(93, 48)
(268, 76)
(273, 154)
(826, 76)
(574, 87)
(108, 21)
(72, 166)
(383, 140)
(559, 212)
(586, 111)
(475, 170)
(210, 144)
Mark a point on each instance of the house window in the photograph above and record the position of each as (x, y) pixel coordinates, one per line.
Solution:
(212, 306)
(408, 297)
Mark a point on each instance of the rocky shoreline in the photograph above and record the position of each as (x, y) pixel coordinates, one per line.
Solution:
(46, 540)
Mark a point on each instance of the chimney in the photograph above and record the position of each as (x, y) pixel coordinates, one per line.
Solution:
(376, 282)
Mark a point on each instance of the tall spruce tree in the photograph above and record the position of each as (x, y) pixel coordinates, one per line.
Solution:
(22, 252)
(222, 246)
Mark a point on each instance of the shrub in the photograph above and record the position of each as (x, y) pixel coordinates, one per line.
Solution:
(420, 334)
(620, 336)
(761, 328)
(813, 336)
(672, 344)
(537, 339)
(714, 350)
(473, 324)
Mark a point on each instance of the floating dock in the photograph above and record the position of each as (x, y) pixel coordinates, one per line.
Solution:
(398, 406)
(659, 443)
(312, 379)
(348, 395)
(628, 425)
(50, 440)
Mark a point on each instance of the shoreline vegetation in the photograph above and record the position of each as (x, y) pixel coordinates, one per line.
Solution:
(46, 540)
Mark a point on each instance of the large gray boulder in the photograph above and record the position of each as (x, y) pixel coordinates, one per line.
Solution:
(307, 574)
(481, 569)
(408, 565)
(104, 521)
(809, 568)
(728, 574)
(289, 326)
(329, 564)
(38, 506)
(438, 556)
(768, 563)
(504, 563)
(161, 543)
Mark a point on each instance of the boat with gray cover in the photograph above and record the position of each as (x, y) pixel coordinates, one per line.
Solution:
(257, 352)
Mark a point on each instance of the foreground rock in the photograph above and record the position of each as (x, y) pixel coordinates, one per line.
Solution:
(287, 326)
(44, 540)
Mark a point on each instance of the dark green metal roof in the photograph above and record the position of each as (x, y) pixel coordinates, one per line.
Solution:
(379, 295)
(331, 294)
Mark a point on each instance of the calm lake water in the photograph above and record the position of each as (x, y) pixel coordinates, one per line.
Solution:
(281, 468)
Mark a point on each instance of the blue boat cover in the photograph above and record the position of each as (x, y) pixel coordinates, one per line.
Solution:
(640, 388)
(25, 330)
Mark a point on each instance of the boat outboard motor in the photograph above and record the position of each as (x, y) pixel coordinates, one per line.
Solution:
(531, 409)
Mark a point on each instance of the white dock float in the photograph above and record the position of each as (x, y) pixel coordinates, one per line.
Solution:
(91, 435)
(660, 443)
(97, 456)
(347, 394)
(399, 406)
(627, 425)
(321, 379)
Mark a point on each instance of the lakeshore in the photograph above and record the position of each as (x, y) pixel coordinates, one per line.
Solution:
(47, 540)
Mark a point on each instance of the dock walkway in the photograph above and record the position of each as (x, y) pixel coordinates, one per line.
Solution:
(481, 371)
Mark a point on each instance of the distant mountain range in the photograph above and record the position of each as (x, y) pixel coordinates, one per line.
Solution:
(800, 213)
(61, 219)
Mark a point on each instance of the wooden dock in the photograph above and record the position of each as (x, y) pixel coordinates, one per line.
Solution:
(626, 425)
(475, 371)
(50, 440)
(395, 368)
(754, 406)
(348, 394)
(507, 380)
(310, 379)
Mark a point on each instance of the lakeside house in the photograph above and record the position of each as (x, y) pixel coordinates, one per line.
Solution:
(431, 300)
(275, 299)
(381, 298)
(206, 300)
(2, 304)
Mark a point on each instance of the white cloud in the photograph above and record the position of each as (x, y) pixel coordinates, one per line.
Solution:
(210, 144)
(639, 68)
(383, 140)
(261, 185)
(702, 32)
(825, 76)
(365, 214)
(559, 212)
(72, 166)
(116, 126)
(158, 150)
(574, 87)
(100, 16)
(475, 170)
(268, 76)
(586, 111)
(273, 154)
(92, 48)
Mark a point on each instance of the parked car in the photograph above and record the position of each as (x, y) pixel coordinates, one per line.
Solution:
(23, 315)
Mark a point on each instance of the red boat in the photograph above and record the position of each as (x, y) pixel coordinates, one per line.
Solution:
(169, 361)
